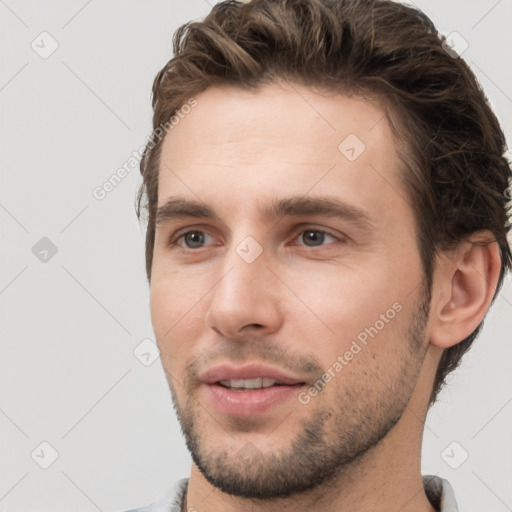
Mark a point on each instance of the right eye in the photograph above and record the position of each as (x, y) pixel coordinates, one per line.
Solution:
(192, 239)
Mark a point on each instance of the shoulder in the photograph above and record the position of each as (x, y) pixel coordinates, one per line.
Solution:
(169, 502)
(440, 493)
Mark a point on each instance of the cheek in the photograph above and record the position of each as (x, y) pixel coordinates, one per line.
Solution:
(346, 300)
(177, 315)
(172, 294)
(361, 316)
(162, 305)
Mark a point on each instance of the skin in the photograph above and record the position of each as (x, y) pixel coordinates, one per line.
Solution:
(356, 445)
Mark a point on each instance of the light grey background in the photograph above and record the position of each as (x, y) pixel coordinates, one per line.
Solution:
(70, 325)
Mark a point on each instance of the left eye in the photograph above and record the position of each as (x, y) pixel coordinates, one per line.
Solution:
(314, 237)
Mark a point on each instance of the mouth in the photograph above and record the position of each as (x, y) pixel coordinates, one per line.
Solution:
(250, 402)
(250, 376)
(245, 385)
(249, 390)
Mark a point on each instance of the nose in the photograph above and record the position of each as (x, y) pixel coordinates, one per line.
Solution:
(245, 300)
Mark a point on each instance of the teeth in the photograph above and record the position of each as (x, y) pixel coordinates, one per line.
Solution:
(249, 383)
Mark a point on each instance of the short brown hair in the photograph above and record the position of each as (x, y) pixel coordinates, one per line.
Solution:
(447, 135)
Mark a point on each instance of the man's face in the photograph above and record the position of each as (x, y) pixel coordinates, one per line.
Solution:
(335, 300)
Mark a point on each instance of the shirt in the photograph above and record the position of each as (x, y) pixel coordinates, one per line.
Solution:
(438, 490)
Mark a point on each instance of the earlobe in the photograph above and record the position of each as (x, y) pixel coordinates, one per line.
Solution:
(464, 286)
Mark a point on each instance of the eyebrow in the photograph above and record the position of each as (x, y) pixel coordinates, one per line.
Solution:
(176, 208)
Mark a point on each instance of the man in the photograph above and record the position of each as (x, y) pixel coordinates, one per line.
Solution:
(327, 230)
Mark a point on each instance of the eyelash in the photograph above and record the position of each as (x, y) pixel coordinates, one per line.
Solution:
(173, 242)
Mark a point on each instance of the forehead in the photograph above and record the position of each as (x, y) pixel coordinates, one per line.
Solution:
(284, 137)
(278, 114)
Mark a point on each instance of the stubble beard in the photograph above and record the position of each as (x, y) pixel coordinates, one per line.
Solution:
(330, 442)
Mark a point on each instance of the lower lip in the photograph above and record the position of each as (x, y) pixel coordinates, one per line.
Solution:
(249, 403)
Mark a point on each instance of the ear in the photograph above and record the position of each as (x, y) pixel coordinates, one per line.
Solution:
(464, 284)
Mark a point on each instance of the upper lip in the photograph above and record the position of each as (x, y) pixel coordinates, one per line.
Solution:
(250, 371)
